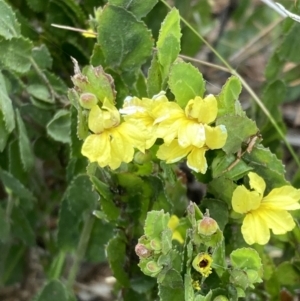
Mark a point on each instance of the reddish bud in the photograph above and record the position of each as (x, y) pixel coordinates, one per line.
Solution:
(141, 251)
(88, 100)
(207, 226)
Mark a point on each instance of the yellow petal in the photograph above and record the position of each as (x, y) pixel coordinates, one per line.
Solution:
(172, 153)
(111, 116)
(285, 197)
(215, 136)
(96, 147)
(255, 229)
(173, 222)
(177, 236)
(196, 160)
(280, 221)
(257, 183)
(191, 133)
(96, 120)
(204, 110)
(244, 200)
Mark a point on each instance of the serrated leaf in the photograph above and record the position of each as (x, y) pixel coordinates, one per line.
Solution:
(154, 80)
(9, 26)
(6, 106)
(41, 117)
(41, 55)
(267, 165)
(26, 153)
(16, 187)
(53, 290)
(125, 41)
(15, 54)
(40, 92)
(59, 127)
(186, 82)
(156, 222)
(81, 195)
(139, 8)
(116, 252)
(167, 293)
(245, 258)
(188, 288)
(239, 129)
(229, 96)
(4, 134)
(168, 43)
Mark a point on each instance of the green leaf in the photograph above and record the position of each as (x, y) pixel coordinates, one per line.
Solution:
(42, 56)
(186, 82)
(125, 41)
(76, 144)
(6, 106)
(59, 127)
(267, 165)
(154, 80)
(4, 226)
(15, 54)
(167, 293)
(38, 5)
(15, 186)
(239, 129)
(245, 258)
(156, 222)
(168, 43)
(116, 252)
(188, 288)
(4, 134)
(81, 195)
(40, 92)
(9, 26)
(139, 8)
(26, 153)
(288, 275)
(228, 98)
(53, 290)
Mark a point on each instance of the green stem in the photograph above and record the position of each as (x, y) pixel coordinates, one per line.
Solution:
(245, 85)
(9, 208)
(57, 265)
(81, 248)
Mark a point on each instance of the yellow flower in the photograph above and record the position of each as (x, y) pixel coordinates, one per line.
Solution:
(89, 33)
(196, 285)
(113, 141)
(265, 213)
(146, 111)
(202, 264)
(173, 224)
(187, 133)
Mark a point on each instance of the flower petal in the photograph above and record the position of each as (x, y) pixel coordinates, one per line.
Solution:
(97, 148)
(285, 197)
(280, 221)
(191, 133)
(172, 152)
(255, 229)
(215, 136)
(196, 160)
(95, 121)
(244, 200)
(257, 183)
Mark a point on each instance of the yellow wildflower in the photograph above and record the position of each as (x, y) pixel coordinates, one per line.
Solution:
(112, 141)
(196, 285)
(173, 224)
(202, 264)
(187, 133)
(265, 213)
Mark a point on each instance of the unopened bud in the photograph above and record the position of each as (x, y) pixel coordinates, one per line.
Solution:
(88, 100)
(221, 298)
(141, 251)
(153, 267)
(155, 244)
(207, 226)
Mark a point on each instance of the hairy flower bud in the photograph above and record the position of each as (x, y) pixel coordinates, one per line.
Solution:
(88, 100)
(207, 226)
(155, 244)
(141, 251)
(153, 267)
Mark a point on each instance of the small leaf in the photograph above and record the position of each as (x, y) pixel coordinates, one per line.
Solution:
(15, 54)
(137, 7)
(53, 290)
(6, 106)
(154, 80)
(9, 26)
(229, 96)
(16, 187)
(167, 293)
(116, 252)
(168, 43)
(288, 275)
(4, 134)
(59, 128)
(186, 82)
(40, 92)
(26, 153)
(245, 258)
(42, 56)
(239, 129)
(156, 222)
(125, 41)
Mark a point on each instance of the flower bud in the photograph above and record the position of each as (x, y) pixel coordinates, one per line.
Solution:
(207, 226)
(141, 251)
(221, 298)
(155, 244)
(88, 100)
(153, 267)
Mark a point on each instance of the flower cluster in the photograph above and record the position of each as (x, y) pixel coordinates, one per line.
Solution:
(264, 213)
(186, 132)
